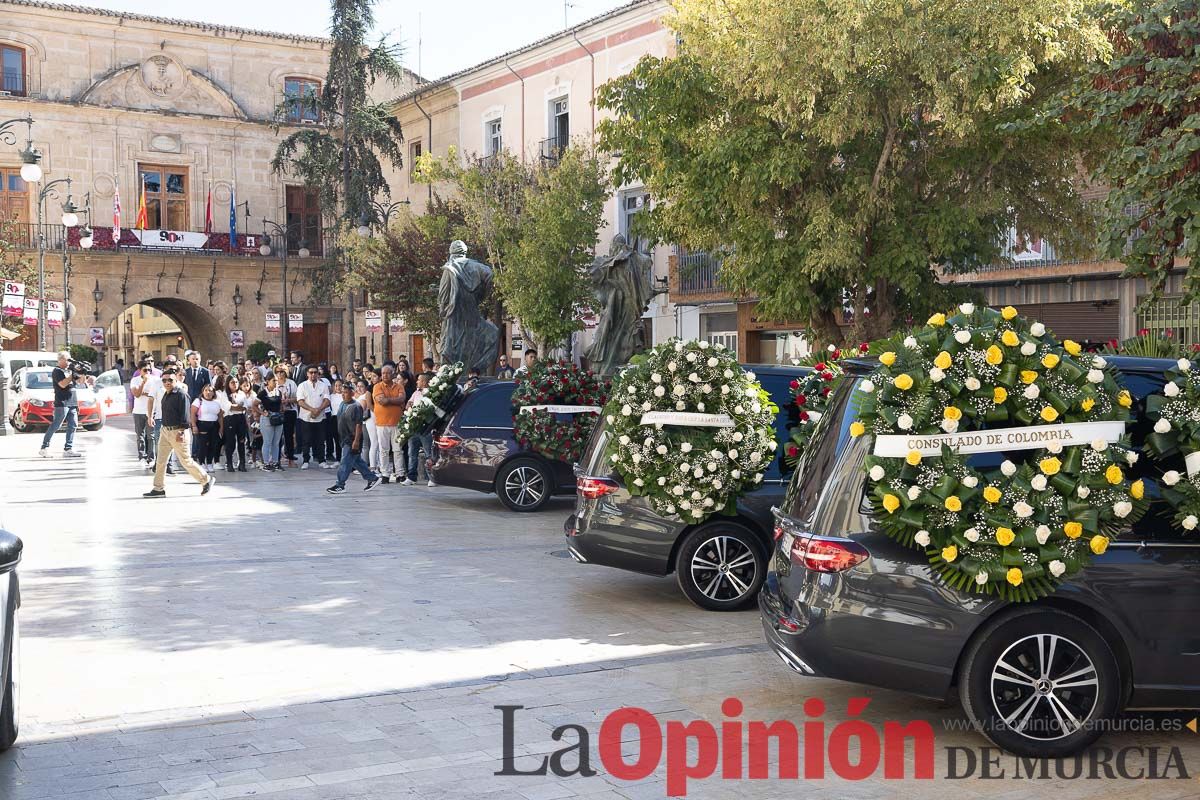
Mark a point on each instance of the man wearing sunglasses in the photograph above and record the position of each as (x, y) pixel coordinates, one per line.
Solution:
(175, 436)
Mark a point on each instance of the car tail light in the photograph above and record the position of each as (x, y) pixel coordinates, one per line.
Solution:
(819, 554)
(447, 442)
(591, 488)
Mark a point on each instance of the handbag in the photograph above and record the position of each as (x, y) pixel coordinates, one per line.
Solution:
(275, 418)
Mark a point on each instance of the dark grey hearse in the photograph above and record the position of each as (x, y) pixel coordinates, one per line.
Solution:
(841, 600)
(10, 638)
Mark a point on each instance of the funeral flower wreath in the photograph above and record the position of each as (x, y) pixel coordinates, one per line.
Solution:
(550, 409)
(421, 415)
(692, 430)
(1020, 529)
(811, 393)
(1176, 415)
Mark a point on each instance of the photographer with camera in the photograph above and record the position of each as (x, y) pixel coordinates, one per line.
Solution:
(66, 377)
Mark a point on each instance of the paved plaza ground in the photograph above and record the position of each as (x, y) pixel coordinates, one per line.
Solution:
(272, 641)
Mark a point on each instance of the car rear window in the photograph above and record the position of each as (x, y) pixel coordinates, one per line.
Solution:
(488, 407)
(37, 380)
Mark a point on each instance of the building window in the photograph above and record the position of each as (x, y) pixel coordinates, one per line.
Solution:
(12, 60)
(414, 152)
(14, 205)
(303, 219)
(301, 97)
(632, 204)
(560, 121)
(493, 138)
(166, 197)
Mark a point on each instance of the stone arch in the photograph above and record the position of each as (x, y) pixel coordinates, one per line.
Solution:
(201, 330)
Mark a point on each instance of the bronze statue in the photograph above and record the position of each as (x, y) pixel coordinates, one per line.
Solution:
(623, 292)
(467, 335)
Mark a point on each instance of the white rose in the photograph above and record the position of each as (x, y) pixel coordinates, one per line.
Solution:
(672, 366)
(677, 491)
(662, 481)
(708, 501)
(613, 457)
(624, 439)
(694, 378)
(949, 425)
(626, 410)
(661, 449)
(1122, 509)
(680, 390)
(611, 419)
(724, 389)
(659, 391)
(680, 406)
(962, 337)
(967, 308)
(686, 447)
(973, 384)
(867, 386)
(728, 373)
(1095, 376)
(712, 361)
(637, 458)
(751, 391)
(1008, 468)
(1190, 522)
(739, 409)
(1131, 457)
(716, 484)
(656, 377)
(970, 481)
(910, 343)
(1099, 445)
(981, 578)
(750, 376)
(638, 482)
(1184, 364)
(1032, 391)
(922, 538)
(1171, 477)
(704, 344)
(1028, 349)
(1023, 509)
(1055, 446)
(679, 347)
(773, 445)
(685, 467)
(733, 454)
(904, 422)
(735, 474)
(698, 473)
(914, 492)
(877, 473)
(737, 436)
(830, 347)
(1057, 568)
(697, 512)
(685, 505)
(646, 406)
(1042, 533)
(758, 476)
(1038, 483)
(1099, 363)
(971, 535)
(691, 357)
(936, 375)
(1162, 426)
(1037, 329)
(714, 453)
(633, 390)
(670, 508)
(1171, 389)
(1083, 492)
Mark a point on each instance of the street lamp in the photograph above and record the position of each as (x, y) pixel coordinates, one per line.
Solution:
(69, 212)
(97, 295)
(237, 302)
(31, 172)
(380, 213)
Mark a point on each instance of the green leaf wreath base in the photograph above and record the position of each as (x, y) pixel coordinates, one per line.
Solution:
(421, 416)
(556, 383)
(1177, 434)
(690, 472)
(1017, 531)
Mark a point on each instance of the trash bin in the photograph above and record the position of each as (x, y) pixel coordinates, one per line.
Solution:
(10, 638)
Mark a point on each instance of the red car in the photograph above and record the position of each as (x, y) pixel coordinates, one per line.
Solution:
(32, 401)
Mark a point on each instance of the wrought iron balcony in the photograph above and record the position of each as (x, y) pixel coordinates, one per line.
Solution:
(24, 236)
(697, 272)
(552, 148)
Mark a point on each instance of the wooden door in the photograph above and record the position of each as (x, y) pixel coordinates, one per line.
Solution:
(313, 342)
(418, 353)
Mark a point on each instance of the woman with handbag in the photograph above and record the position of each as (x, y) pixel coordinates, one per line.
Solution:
(270, 422)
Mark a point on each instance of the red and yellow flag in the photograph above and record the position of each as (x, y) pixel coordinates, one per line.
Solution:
(141, 214)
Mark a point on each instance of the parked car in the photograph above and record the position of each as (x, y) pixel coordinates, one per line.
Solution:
(477, 450)
(10, 639)
(31, 401)
(720, 563)
(842, 600)
(14, 360)
(112, 397)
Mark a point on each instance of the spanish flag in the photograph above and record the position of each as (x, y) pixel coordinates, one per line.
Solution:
(141, 215)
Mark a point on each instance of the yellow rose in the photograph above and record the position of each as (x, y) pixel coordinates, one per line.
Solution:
(903, 382)
(913, 457)
(1124, 400)
(1137, 489)
(1071, 347)
(1005, 536)
(1050, 466)
(943, 360)
(991, 494)
(1098, 544)
(1073, 530)
(1087, 404)
(1113, 474)
(937, 319)
(1008, 312)
(1010, 339)
(949, 553)
(1014, 576)
(953, 503)
(1049, 414)
(952, 412)
(1028, 376)
(887, 359)
(1049, 361)
(857, 428)
(999, 395)
(994, 356)
(891, 503)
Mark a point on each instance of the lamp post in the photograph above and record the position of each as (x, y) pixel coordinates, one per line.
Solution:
(380, 214)
(31, 172)
(97, 295)
(70, 219)
(282, 232)
(237, 302)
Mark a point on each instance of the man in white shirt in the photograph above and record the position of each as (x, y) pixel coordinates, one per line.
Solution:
(313, 398)
(143, 386)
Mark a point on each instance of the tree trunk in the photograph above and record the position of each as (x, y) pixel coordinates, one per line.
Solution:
(346, 206)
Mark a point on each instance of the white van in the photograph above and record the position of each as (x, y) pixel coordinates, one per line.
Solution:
(14, 360)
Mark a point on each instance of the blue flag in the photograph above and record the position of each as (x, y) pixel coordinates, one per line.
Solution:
(233, 246)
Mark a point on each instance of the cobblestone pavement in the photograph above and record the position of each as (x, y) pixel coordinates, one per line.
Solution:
(271, 640)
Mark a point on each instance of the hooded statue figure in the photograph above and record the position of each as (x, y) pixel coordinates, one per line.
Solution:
(467, 336)
(623, 291)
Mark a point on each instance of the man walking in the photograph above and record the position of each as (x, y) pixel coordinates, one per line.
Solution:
(144, 386)
(313, 398)
(389, 398)
(176, 438)
(350, 435)
(66, 405)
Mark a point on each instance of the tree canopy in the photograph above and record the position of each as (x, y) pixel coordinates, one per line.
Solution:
(839, 153)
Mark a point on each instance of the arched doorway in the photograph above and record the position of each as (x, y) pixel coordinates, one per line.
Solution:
(161, 326)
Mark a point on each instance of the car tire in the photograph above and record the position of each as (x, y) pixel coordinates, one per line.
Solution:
(524, 484)
(9, 721)
(1010, 683)
(721, 566)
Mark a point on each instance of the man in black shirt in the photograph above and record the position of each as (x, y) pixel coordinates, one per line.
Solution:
(66, 405)
(176, 438)
(350, 435)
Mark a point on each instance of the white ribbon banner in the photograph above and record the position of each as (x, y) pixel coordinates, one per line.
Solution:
(562, 409)
(1192, 462)
(687, 419)
(1030, 438)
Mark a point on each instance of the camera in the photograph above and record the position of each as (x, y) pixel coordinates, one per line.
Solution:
(79, 369)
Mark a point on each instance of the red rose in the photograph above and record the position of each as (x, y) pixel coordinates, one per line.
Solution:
(820, 367)
(837, 354)
(825, 392)
(804, 416)
(795, 384)
(792, 450)
(1143, 332)
(864, 347)
(827, 376)
(801, 400)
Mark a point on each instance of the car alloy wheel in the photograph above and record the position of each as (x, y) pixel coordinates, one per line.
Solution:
(1044, 687)
(720, 566)
(525, 486)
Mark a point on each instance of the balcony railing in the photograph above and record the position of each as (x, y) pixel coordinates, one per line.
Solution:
(24, 236)
(698, 272)
(552, 149)
(13, 82)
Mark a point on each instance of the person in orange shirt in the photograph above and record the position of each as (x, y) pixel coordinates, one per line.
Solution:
(389, 399)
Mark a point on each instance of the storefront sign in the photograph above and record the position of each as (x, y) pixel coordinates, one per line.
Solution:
(374, 317)
(272, 323)
(54, 313)
(14, 298)
(96, 337)
(1034, 437)
(183, 240)
(295, 322)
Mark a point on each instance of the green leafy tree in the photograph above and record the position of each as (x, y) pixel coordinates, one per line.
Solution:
(258, 350)
(15, 265)
(1146, 102)
(841, 153)
(81, 352)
